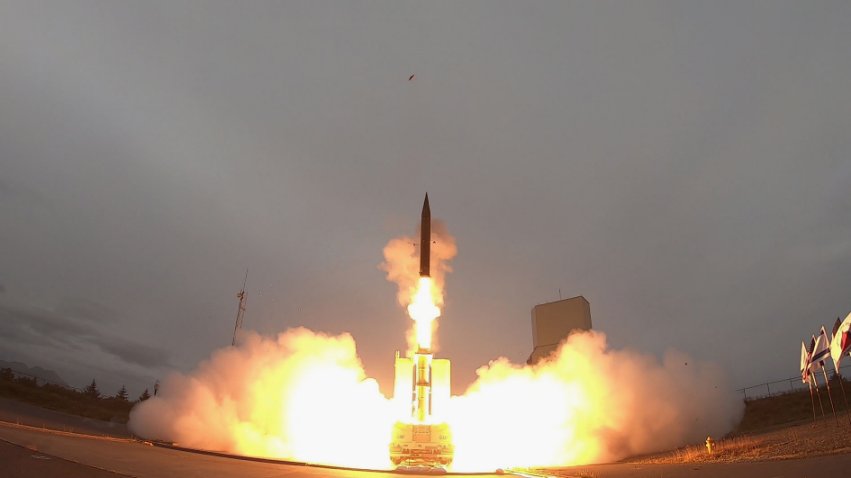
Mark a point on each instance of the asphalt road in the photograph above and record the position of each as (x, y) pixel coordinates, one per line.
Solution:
(116, 456)
(129, 457)
(19, 462)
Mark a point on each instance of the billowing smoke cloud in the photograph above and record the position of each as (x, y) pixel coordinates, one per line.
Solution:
(402, 260)
(304, 396)
(402, 265)
(588, 404)
(301, 396)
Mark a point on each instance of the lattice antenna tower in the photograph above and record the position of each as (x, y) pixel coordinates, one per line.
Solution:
(240, 311)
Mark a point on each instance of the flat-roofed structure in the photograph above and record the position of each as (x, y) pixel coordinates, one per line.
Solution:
(555, 321)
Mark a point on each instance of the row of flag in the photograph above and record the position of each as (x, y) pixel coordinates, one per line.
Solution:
(836, 345)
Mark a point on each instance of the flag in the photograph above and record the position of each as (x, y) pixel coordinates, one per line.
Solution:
(841, 341)
(820, 350)
(805, 363)
(825, 342)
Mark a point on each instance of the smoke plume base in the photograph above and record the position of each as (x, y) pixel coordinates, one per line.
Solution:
(304, 396)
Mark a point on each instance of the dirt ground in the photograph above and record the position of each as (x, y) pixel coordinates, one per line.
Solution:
(825, 436)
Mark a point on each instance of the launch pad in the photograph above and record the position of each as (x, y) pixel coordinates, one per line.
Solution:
(421, 392)
(428, 446)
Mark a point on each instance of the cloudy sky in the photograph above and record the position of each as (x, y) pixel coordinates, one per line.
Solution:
(686, 166)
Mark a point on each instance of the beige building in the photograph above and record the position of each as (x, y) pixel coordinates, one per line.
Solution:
(555, 321)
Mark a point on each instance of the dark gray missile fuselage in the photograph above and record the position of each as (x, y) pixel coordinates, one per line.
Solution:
(425, 240)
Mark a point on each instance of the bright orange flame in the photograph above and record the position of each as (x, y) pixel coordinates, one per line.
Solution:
(423, 310)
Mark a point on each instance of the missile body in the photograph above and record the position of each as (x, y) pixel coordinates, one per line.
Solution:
(422, 358)
(425, 240)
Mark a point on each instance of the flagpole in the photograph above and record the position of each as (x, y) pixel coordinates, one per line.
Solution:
(842, 387)
(818, 394)
(827, 383)
(844, 397)
(812, 400)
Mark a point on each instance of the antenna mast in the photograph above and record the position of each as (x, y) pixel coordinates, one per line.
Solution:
(240, 311)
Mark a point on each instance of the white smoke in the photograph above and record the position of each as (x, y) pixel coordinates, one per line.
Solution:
(588, 404)
(304, 396)
(402, 261)
(402, 265)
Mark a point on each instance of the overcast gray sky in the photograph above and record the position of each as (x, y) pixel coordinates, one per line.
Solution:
(684, 165)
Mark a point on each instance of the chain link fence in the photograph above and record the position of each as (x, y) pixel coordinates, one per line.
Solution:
(788, 385)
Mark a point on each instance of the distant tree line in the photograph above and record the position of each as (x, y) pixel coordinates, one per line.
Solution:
(89, 402)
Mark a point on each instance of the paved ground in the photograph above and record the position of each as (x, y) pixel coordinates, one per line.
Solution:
(20, 462)
(128, 457)
(27, 451)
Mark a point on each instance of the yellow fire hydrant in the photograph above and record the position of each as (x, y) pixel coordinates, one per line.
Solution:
(710, 445)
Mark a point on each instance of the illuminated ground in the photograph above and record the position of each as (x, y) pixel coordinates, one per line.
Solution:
(36, 452)
(126, 457)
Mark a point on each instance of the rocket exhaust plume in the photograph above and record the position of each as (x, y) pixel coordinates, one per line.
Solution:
(304, 395)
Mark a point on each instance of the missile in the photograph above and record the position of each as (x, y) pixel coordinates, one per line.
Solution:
(425, 239)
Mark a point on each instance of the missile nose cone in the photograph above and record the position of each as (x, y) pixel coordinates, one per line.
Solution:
(426, 208)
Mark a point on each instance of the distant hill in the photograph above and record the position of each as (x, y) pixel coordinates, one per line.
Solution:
(40, 373)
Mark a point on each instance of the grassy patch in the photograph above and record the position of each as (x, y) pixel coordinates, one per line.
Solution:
(766, 413)
(775, 428)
